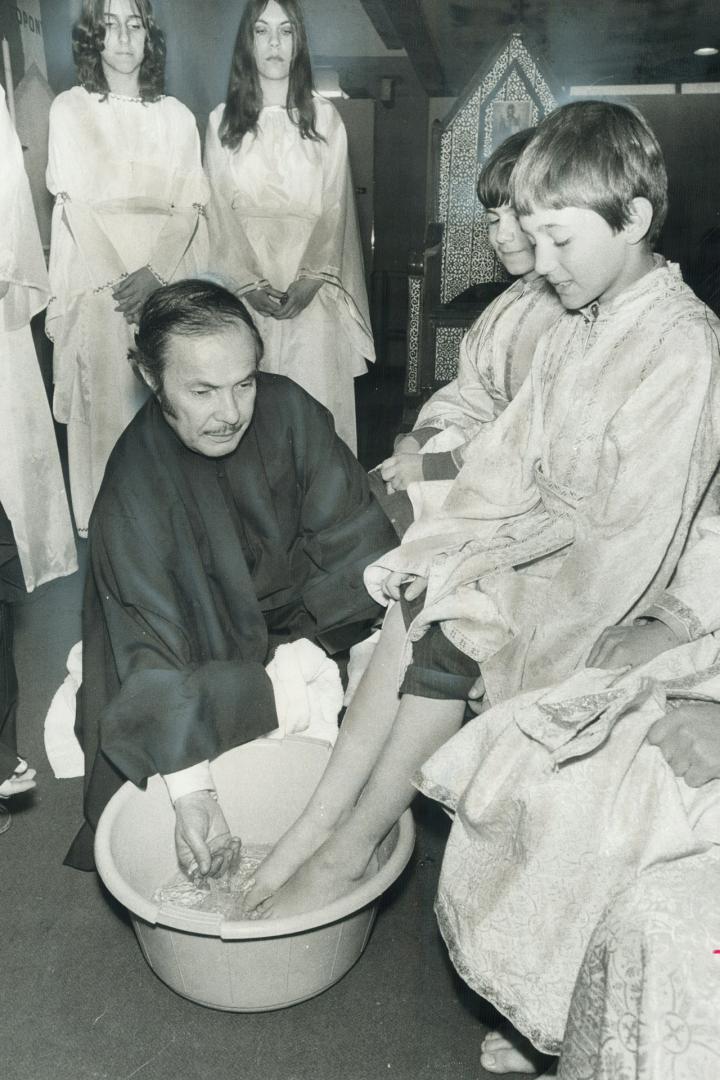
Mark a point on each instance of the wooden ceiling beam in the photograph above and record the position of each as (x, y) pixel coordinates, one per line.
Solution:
(401, 25)
(376, 11)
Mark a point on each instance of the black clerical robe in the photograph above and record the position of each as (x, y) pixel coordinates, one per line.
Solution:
(197, 567)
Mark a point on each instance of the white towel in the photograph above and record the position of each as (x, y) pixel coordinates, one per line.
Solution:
(308, 698)
(308, 691)
(61, 746)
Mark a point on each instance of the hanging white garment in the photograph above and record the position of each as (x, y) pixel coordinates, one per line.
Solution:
(32, 491)
(282, 207)
(130, 193)
(62, 749)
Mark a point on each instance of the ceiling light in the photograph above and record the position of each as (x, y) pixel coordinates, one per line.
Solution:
(706, 50)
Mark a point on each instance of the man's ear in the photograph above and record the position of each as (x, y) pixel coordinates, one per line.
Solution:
(146, 376)
(640, 216)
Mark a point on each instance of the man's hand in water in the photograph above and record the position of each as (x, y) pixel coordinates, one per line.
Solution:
(203, 842)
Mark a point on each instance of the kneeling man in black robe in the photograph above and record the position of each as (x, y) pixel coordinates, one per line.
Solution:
(231, 518)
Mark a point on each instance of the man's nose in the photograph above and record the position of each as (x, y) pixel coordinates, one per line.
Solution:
(227, 409)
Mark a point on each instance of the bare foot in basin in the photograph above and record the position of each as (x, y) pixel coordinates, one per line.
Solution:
(329, 874)
(292, 850)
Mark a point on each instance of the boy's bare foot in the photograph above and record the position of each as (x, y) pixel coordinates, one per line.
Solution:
(512, 1054)
(326, 876)
(299, 843)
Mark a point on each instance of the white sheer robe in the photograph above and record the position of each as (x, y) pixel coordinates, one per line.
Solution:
(130, 192)
(282, 207)
(32, 491)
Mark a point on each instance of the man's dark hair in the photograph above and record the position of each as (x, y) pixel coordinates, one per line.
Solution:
(191, 308)
(493, 186)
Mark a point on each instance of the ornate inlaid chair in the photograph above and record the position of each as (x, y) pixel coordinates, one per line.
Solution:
(457, 274)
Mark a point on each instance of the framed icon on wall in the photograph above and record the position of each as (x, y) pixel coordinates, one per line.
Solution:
(509, 117)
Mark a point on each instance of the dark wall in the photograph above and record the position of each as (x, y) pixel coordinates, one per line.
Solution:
(400, 155)
(401, 148)
(400, 184)
(687, 127)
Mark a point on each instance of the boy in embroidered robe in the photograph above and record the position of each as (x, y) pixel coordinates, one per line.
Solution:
(575, 521)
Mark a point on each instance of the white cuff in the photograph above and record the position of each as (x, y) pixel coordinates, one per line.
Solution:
(184, 781)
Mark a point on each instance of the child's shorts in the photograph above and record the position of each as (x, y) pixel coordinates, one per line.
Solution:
(438, 669)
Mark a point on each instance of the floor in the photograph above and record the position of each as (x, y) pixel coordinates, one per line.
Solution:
(80, 1003)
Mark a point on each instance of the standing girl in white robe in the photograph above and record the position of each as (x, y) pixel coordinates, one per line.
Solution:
(283, 229)
(36, 539)
(125, 169)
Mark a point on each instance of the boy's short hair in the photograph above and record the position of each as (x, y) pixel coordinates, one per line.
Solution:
(597, 155)
(493, 186)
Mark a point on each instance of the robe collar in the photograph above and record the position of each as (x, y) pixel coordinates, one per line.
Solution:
(665, 277)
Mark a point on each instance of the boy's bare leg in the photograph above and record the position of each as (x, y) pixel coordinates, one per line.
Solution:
(368, 721)
(421, 727)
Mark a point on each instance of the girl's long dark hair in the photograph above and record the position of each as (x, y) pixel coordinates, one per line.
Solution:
(88, 38)
(244, 96)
